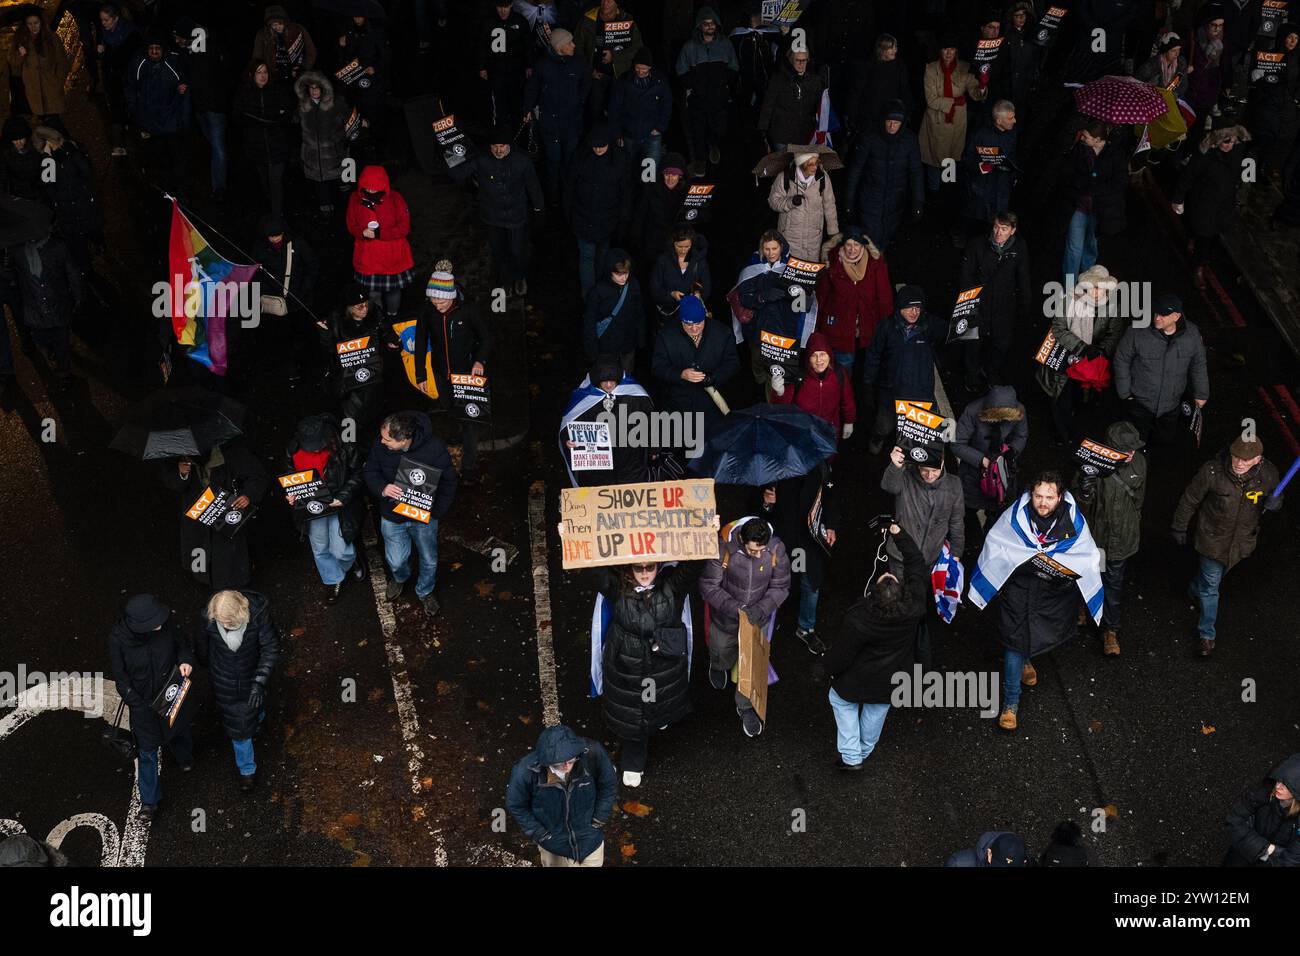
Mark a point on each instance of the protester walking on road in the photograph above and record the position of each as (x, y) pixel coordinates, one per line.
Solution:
(144, 647)
(332, 521)
(708, 70)
(899, 365)
(408, 437)
(597, 201)
(1207, 192)
(875, 642)
(998, 263)
(991, 435)
(693, 357)
(1156, 366)
(885, 179)
(356, 327)
(1095, 187)
(995, 848)
(379, 222)
(948, 84)
(680, 269)
(557, 91)
(853, 296)
(323, 121)
(1228, 497)
(562, 794)
(37, 57)
(803, 198)
(613, 320)
(284, 44)
(789, 113)
(240, 645)
(1263, 824)
(751, 576)
(1113, 506)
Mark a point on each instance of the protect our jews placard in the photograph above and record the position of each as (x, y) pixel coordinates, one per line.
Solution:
(418, 483)
(645, 522)
(593, 446)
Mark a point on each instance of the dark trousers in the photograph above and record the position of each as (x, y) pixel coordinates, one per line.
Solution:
(633, 755)
(1063, 407)
(1112, 582)
(58, 343)
(509, 245)
(706, 126)
(6, 348)
(166, 151)
(505, 101)
(1167, 429)
(272, 180)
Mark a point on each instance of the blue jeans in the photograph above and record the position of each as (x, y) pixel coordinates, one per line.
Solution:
(1112, 583)
(398, 538)
(1013, 665)
(857, 727)
(845, 358)
(1080, 245)
(182, 748)
(807, 604)
(213, 127)
(244, 756)
(1205, 588)
(591, 255)
(638, 150)
(334, 556)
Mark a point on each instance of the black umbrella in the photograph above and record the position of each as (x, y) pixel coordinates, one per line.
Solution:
(764, 443)
(352, 8)
(178, 422)
(23, 220)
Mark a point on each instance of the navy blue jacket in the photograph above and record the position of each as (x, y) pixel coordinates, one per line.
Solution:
(426, 448)
(988, 194)
(884, 179)
(154, 102)
(564, 818)
(559, 86)
(903, 367)
(977, 855)
(768, 294)
(637, 106)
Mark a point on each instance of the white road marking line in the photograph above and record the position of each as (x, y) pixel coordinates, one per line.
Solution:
(407, 717)
(542, 604)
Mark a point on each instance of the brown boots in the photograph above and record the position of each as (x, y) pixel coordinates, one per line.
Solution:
(1110, 643)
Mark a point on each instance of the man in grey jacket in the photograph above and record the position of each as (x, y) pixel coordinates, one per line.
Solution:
(751, 576)
(1155, 366)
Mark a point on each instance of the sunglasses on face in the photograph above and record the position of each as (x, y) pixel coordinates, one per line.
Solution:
(642, 568)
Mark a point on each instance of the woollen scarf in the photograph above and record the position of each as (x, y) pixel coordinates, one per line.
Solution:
(856, 271)
(948, 71)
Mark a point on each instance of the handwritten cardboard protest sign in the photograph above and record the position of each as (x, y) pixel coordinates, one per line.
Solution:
(635, 523)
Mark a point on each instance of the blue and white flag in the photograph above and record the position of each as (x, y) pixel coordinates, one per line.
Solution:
(1012, 541)
(600, 618)
(582, 399)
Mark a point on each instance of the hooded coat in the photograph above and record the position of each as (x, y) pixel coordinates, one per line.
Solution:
(1037, 610)
(734, 580)
(628, 658)
(342, 474)
(1113, 504)
(940, 139)
(931, 513)
(666, 278)
(1209, 184)
(564, 817)
(875, 643)
(235, 672)
(789, 113)
(389, 253)
(829, 396)
(1227, 508)
(626, 331)
(228, 564)
(983, 428)
(885, 179)
(1257, 819)
(324, 129)
(140, 664)
(1156, 370)
(154, 102)
(707, 70)
(814, 218)
(299, 50)
(427, 448)
(977, 856)
(849, 310)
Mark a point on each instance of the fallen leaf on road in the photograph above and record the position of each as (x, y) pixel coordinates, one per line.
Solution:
(417, 813)
(1094, 727)
(636, 808)
(350, 820)
(525, 719)
(363, 643)
(444, 687)
(426, 783)
(1207, 729)
(298, 632)
(506, 596)
(483, 706)
(484, 588)
(629, 850)
(376, 693)
(1112, 811)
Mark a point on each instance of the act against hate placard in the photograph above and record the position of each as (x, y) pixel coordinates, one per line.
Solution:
(648, 522)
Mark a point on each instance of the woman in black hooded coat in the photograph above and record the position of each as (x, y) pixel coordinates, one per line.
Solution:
(645, 650)
(1263, 825)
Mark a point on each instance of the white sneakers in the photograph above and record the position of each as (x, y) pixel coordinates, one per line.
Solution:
(631, 779)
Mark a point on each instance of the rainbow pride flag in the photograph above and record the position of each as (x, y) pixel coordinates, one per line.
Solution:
(205, 290)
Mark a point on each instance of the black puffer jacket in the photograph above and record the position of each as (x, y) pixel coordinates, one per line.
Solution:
(343, 328)
(71, 193)
(628, 660)
(342, 479)
(789, 113)
(598, 194)
(657, 207)
(235, 672)
(1037, 608)
(264, 114)
(1257, 819)
(140, 664)
(507, 188)
(50, 298)
(1007, 294)
(873, 645)
(716, 358)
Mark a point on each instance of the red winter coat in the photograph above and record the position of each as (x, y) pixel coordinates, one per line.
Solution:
(847, 311)
(828, 396)
(390, 254)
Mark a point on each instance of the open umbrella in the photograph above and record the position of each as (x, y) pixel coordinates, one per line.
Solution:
(176, 422)
(764, 443)
(1121, 100)
(773, 163)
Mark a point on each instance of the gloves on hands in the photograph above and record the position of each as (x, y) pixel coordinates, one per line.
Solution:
(1180, 537)
(256, 697)
(1272, 503)
(756, 617)
(1092, 352)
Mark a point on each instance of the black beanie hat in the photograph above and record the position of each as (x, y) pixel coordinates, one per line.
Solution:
(908, 296)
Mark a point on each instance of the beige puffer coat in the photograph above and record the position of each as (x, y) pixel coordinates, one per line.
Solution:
(941, 140)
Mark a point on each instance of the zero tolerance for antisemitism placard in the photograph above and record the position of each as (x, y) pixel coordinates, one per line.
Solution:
(648, 522)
